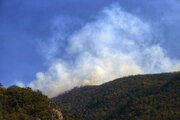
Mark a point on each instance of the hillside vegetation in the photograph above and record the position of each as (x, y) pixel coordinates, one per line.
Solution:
(140, 97)
(24, 104)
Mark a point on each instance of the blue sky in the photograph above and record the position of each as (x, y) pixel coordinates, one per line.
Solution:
(58, 44)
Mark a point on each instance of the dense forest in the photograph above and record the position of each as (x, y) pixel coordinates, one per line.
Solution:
(140, 97)
(25, 104)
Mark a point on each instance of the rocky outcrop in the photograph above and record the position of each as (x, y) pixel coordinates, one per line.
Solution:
(57, 114)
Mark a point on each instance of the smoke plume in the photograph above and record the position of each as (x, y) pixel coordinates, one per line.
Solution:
(114, 45)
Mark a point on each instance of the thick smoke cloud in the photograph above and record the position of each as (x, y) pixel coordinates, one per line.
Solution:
(114, 45)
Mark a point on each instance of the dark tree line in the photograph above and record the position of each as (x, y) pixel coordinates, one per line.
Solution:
(141, 97)
(25, 104)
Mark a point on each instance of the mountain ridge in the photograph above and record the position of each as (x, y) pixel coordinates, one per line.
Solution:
(126, 98)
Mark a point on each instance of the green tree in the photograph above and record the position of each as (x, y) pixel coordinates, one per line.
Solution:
(1, 85)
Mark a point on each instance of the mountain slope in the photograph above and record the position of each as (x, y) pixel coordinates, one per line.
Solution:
(24, 104)
(155, 96)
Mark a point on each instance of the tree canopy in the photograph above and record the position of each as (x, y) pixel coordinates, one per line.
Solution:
(1, 85)
(141, 97)
(25, 104)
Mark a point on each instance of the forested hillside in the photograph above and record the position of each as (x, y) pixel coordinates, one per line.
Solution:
(24, 104)
(140, 97)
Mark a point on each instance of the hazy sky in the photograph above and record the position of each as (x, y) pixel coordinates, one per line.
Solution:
(54, 45)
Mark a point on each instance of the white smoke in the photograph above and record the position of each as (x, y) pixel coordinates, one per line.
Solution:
(19, 83)
(116, 44)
